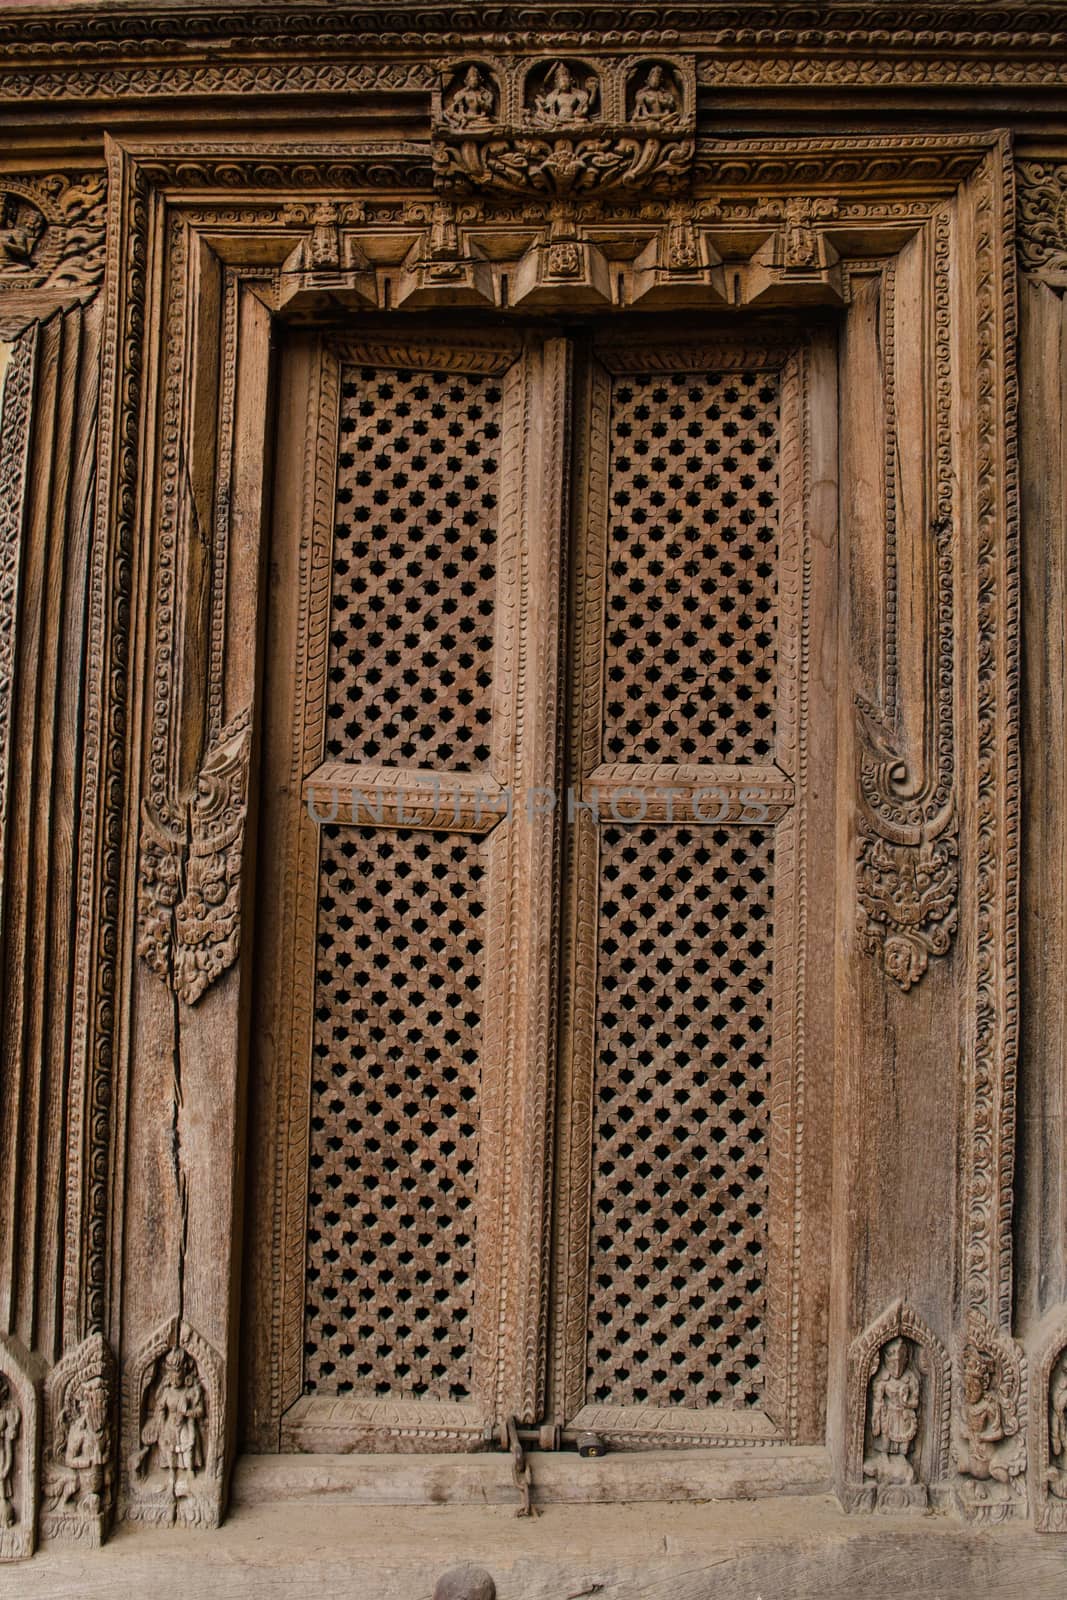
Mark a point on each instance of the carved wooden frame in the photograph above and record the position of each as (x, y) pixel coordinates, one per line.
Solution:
(198, 233)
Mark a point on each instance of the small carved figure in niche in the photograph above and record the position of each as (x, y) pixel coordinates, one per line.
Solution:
(85, 1444)
(472, 103)
(989, 1416)
(10, 1423)
(564, 100)
(20, 229)
(1057, 1429)
(173, 1426)
(657, 99)
(894, 1415)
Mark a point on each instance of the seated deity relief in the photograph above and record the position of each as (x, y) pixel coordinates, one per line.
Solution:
(472, 101)
(561, 98)
(653, 96)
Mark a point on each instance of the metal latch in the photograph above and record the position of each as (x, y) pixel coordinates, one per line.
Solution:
(520, 1467)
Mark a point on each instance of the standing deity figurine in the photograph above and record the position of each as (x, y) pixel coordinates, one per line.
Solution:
(657, 99)
(174, 1423)
(895, 1406)
(10, 1422)
(1057, 1427)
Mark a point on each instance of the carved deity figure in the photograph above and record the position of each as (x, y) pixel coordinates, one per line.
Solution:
(471, 104)
(657, 98)
(989, 1416)
(1057, 1429)
(173, 1426)
(10, 1423)
(86, 1446)
(20, 228)
(564, 100)
(894, 1414)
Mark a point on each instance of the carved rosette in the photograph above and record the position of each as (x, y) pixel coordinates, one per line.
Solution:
(1049, 1431)
(190, 872)
(990, 1444)
(898, 1415)
(564, 127)
(78, 1488)
(174, 1422)
(20, 1388)
(52, 231)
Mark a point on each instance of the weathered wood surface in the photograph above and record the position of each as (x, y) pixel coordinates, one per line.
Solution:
(797, 1550)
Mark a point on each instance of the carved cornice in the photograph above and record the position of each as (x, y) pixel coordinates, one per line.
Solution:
(932, 27)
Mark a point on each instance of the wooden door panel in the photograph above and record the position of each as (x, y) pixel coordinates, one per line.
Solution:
(681, 1213)
(398, 883)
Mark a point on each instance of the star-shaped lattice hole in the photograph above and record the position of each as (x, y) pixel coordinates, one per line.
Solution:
(691, 619)
(414, 569)
(394, 1130)
(681, 1117)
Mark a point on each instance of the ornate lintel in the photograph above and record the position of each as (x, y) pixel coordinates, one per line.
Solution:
(564, 126)
(190, 871)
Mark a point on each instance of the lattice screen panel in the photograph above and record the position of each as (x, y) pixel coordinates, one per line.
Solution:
(692, 548)
(681, 1116)
(394, 1124)
(414, 581)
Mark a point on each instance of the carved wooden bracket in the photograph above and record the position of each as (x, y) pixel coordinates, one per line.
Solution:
(564, 126)
(190, 873)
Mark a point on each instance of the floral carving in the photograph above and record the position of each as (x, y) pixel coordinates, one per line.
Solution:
(1042, 222)
(79, 1477)
(991, 1442)
(908, 898)
(52, 232)
(190, 902)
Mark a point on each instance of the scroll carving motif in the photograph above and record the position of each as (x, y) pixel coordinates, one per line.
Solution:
(190, 872)
(52, 231)
(564, 127)
(898, 1388)
(908, 874)
(79, 1472)
(174, 1409)
(1042, 217)
(19, 1439)
(990, 1439)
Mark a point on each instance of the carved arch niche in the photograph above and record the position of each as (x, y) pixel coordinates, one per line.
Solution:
(907, 239)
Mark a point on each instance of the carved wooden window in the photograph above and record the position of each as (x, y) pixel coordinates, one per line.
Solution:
(537, 835)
